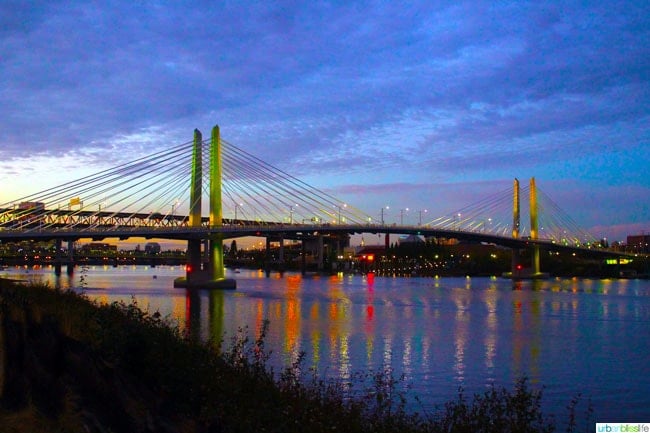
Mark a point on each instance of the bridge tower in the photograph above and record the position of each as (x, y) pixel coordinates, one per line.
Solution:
(518, 271)
(194, 245)
(213, 277)
(534, 229)
(515, 210)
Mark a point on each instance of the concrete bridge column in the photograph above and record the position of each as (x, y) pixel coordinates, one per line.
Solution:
(267, 257)
(57, 259)
(193, 258)
(516, 265)
(217, 271)
(70, 264)
(321, 252)
(206, 255)
(281, 254)
(303, 257)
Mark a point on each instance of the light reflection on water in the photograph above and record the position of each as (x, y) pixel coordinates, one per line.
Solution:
(571, 336)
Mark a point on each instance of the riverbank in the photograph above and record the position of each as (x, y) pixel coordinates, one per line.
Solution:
(71, 365)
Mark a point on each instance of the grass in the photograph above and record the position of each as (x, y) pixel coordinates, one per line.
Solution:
(73, 365)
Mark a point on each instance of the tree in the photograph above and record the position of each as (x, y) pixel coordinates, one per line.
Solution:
(233, 248)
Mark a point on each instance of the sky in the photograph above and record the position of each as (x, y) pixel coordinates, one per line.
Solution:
(421, 105)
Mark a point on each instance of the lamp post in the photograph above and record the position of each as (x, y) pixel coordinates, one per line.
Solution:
(291, 213)
(489, 221)
(344, 206)
(420, 216)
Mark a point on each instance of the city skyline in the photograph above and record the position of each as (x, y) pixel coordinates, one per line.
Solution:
(429, 106)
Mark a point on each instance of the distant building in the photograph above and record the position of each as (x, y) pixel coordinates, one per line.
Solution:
(98, 247)
(411, 239)
(152, 248)
(638, 243)
(369, 253)
(30, 211)
(37, 205)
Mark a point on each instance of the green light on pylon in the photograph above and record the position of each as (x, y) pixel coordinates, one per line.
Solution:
(216, 217)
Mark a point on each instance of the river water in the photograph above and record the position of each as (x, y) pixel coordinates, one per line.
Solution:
(569, 336)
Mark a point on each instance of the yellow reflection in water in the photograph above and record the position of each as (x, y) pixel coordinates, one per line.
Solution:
(344, 368)
(461, 299)
(491, 296)
(178, 310)
(314, 315)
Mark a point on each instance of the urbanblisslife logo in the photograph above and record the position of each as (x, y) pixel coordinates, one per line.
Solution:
(622, 427)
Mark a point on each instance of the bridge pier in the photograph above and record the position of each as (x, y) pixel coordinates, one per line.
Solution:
(281, 254)
(70, 264)
(194, 257)
(267, 257)
(321, 253)
(57, 259)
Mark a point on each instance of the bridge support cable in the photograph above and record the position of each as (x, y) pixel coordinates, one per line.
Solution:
(272, 184)
(315, 201)
(155, 177)
(246, 176)
(558, 226)
(489, 215)
(92, 182)
(134, 194)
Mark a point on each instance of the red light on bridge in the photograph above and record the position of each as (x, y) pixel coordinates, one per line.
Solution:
(188, 268)
(519, 267)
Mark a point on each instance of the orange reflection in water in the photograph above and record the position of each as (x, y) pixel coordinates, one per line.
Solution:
(292, 317)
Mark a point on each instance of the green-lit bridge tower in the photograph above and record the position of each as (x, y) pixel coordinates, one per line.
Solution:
(212, 275)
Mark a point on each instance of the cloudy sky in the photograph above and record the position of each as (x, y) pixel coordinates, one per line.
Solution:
(427, 105)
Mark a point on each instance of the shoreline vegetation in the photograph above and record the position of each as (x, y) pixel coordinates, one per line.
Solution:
(68, 364)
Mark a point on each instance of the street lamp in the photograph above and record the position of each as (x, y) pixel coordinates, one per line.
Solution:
(401, 216)
(103, 202)
(344, 206)
(291, 213)
(420, 216)
(489, 221)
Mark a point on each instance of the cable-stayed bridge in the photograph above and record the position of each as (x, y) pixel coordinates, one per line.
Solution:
(211, 190)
